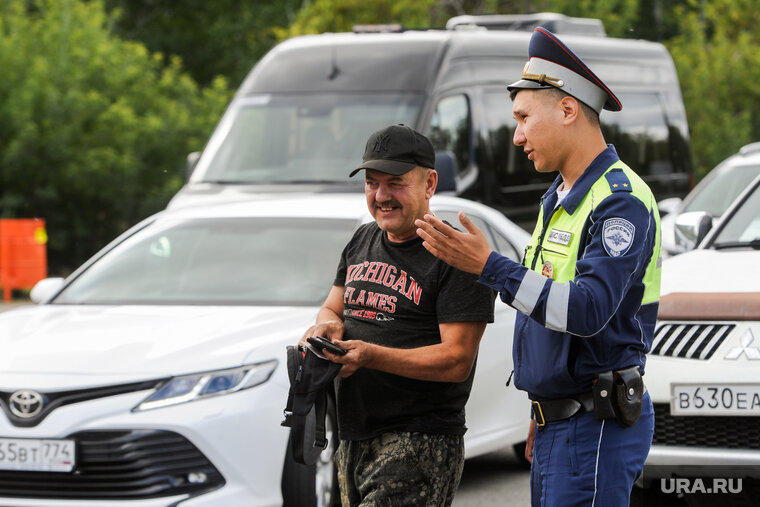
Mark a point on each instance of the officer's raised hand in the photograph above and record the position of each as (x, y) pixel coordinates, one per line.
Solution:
(466, 251)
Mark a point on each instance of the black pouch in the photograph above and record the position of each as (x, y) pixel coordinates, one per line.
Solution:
(629, 390)
(311, 383)
(603, 395)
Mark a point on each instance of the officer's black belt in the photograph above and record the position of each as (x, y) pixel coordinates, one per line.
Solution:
(555, 410)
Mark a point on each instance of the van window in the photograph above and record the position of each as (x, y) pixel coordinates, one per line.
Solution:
(516, 187)
(640, 135)
(450, 129)
(288, 138)
(507, 158)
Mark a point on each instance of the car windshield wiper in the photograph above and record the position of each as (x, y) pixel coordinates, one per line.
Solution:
(754, 244)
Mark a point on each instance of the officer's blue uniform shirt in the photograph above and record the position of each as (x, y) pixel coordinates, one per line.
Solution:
(607, 327)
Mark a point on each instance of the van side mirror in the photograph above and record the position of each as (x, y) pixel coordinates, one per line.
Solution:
(446, 167)
(668, 206)
(192, 161)
(691, 228)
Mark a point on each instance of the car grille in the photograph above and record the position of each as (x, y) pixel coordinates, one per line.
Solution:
(723, 432)
(54, 400)
(689, 340)
(126, 465)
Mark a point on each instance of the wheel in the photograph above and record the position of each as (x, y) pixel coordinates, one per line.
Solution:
(313, 485)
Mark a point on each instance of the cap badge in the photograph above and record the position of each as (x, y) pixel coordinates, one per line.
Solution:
(541, 78)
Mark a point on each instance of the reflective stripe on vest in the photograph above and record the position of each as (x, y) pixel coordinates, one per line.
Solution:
(560, 239)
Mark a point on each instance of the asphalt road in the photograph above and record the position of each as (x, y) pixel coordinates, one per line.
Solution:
(495, 479)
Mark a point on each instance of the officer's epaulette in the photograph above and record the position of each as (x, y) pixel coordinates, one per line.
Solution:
(618, 181)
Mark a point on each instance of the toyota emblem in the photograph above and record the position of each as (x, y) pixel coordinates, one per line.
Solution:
(26, 404)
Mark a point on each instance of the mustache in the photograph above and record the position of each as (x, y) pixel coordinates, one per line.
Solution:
(387, 203)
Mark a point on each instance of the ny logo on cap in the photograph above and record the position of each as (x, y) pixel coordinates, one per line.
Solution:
(381, 143)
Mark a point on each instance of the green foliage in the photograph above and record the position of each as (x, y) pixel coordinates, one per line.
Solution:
(95, 130)
(719, 68)
(619, 16)
(223, 37)
(340, 15)
(320, 16)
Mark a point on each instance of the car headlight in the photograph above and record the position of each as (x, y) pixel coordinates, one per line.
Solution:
(203, 385)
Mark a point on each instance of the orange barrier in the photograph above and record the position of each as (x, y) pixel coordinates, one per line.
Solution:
(23, 253)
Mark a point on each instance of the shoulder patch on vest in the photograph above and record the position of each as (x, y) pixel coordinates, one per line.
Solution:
(618, 181)
(617, 236)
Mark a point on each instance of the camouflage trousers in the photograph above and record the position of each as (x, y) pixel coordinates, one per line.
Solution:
(400, 469)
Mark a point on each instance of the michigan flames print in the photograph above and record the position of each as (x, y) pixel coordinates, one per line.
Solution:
(380, 304)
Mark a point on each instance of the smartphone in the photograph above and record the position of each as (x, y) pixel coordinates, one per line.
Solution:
(321, 344)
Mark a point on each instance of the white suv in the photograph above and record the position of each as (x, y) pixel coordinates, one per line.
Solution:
(703, 372)
(714, 194)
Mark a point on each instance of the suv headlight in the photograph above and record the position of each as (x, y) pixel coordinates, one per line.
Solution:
(203, 385)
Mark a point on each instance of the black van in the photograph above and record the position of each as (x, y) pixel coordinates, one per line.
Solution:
(302, 116)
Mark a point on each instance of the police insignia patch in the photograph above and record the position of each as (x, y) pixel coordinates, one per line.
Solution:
(617, 236)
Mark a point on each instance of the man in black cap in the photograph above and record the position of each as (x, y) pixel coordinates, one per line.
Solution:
(587, 291)
(411, 325)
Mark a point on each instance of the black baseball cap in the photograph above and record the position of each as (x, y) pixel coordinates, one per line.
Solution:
(397, 149)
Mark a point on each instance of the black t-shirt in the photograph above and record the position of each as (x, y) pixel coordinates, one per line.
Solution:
(395, 295)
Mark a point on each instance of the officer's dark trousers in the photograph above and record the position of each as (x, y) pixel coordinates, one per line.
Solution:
(585, 462)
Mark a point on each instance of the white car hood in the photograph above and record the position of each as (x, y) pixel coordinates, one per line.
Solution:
(707, 270)
(95, 345)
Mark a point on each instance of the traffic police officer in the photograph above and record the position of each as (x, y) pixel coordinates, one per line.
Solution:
(587, 290)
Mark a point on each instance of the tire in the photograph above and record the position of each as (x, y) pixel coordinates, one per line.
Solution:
(313, 485)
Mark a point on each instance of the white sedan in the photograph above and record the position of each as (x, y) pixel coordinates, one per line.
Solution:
(155, 374)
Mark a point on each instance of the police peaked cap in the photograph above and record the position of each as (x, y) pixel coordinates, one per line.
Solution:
(554, 65)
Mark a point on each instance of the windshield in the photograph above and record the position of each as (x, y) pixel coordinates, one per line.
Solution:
(252, 261)
(743, 227)
(721, 188)
(300, 137)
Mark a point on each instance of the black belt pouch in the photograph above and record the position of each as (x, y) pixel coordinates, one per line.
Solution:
(629, 390)
(603, 394)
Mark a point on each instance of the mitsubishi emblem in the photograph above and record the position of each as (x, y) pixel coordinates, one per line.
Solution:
(26, 404)
(752, 353)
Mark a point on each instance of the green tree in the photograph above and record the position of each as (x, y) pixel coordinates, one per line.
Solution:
(340, 15)
(223, 37)
(95, 130)
(619, 16)
(719, 69)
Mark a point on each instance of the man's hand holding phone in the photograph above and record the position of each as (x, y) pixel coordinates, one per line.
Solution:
(319, 344)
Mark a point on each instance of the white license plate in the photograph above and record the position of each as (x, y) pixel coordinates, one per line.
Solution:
(39, 455)
(715, 399)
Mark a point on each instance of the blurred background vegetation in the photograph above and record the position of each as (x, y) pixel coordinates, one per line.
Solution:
(101, 100)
